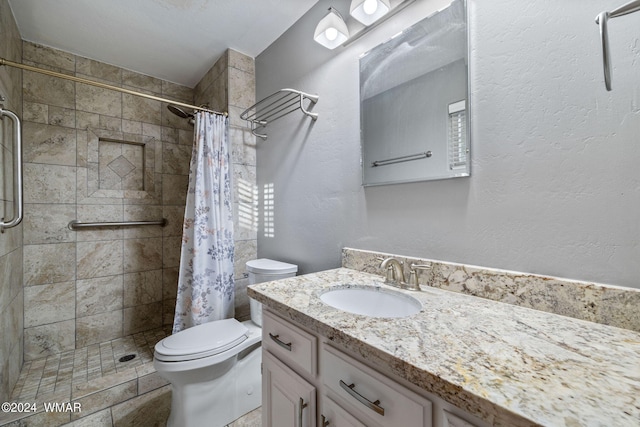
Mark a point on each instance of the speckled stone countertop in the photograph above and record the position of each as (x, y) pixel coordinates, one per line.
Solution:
(508, 365)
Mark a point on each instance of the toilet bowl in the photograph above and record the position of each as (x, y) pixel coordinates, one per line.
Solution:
(214, 368)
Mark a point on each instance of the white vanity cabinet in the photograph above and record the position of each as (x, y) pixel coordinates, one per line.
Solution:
(307, 382)
(287, 399)
(289, 353)
(372, 398)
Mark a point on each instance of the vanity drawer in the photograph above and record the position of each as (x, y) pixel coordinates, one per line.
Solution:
(289, 343)
(359, 388)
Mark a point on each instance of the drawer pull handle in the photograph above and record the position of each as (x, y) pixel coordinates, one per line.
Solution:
(276, 338)
(325, 421)
(301, 406)
(375, 406)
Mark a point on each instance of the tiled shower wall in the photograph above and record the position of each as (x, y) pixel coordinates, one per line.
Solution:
(11, 294)
(93, 154)
(230, 86)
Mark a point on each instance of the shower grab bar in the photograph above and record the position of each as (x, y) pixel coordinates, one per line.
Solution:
(76, 225)
(401, 159)
(17, 171)
(601, 20)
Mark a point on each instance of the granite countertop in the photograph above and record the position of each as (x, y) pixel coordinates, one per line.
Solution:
(508, 365)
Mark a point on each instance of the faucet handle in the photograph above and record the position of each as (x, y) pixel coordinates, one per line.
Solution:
(413, 275)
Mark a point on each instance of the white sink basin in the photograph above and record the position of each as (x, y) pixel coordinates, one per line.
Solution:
(371, 301)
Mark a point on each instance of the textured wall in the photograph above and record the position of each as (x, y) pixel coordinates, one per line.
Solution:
(90, 286)
(554, 186)
(11, 295)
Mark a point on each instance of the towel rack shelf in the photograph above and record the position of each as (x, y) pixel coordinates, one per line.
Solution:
(277, 105)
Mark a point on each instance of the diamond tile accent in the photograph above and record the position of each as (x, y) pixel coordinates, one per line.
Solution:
(121, 166)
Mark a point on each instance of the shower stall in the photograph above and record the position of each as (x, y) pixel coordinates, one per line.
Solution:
(82, 307)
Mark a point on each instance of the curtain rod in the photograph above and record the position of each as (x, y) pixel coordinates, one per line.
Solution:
(8, 63)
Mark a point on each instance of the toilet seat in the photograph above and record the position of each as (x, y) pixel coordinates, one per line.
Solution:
(201, 341)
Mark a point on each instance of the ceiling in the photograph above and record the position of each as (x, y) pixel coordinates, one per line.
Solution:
(174, 40)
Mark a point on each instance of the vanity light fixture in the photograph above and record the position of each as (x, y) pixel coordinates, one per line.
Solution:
(369, 11)
(331, 31)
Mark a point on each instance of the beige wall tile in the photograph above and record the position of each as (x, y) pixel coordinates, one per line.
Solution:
(101, 258)
(99, 70)
(241, 88)
(99, 295)
(175, 218)
(143, 213)
(49, 303)
(35, 112)
(49, 263)
(176, 91)
(170, 134)
(142, 317)
(142, 254)
(98, 100)
(86, 120)
(59, 116)
(49, 183)
(140, 81)
(48, 223)
(100, 213)
(98, 419)
(174, 189)
(170, 282)
(150, 382)
(245, 250)
(176, 158)
(185, 137)
(132, 126)
(243, 146)
(48, 56)
(148, 409)
(142, 288)
(48, 90)
(98, 328)
(104, 399)
(141, 109)
(53, 145)
(45, 340)
(151, 130)
(168, 311)
(241, 61)
(171, 247)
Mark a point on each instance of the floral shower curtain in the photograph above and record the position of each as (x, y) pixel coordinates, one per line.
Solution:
(206, 283)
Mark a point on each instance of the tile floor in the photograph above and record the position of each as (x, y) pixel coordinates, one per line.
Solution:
(62, 371)
(112, 393)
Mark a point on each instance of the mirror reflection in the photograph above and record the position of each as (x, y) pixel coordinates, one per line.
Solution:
(414, 102)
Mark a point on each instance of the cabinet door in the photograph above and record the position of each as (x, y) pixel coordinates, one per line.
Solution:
(287, 399)
(332, 415)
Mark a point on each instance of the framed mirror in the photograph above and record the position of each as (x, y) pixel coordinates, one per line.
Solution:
(414, 102)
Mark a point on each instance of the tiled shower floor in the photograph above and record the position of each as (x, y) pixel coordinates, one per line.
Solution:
(59, 372)
(111, 392)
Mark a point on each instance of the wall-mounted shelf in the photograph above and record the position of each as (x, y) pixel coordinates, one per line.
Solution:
(277, 105)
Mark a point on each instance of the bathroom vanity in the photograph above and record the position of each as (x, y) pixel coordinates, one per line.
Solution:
(461, 361)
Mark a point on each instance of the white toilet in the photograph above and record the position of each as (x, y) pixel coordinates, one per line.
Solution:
(214, 368)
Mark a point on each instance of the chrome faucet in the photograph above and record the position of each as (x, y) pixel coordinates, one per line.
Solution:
(394, 272)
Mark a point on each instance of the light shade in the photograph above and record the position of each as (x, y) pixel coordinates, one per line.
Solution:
(369, 11)
(331, 31)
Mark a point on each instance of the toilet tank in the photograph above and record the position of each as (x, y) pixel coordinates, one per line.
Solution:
(265, 270)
